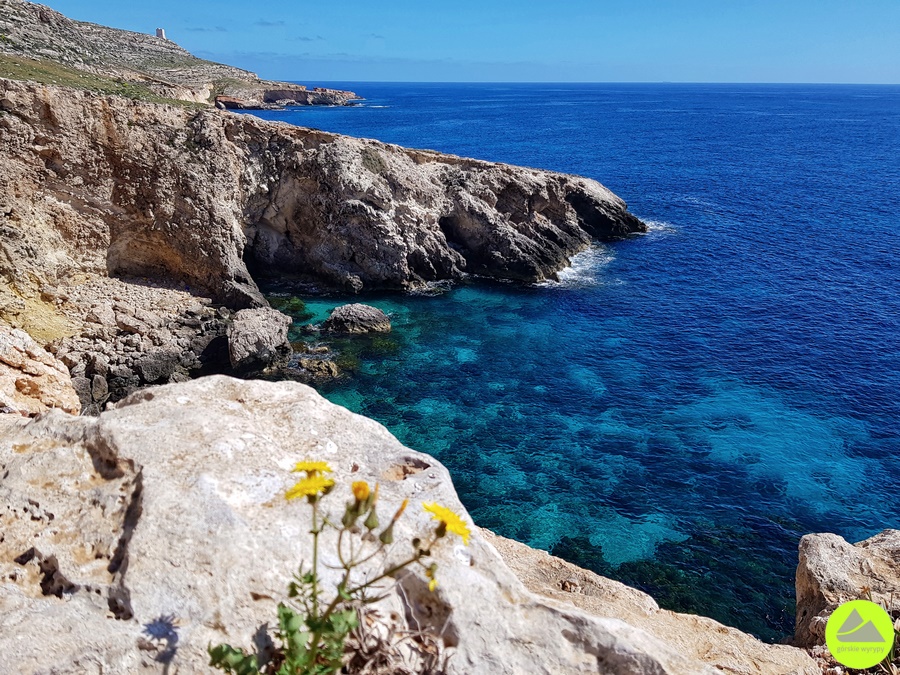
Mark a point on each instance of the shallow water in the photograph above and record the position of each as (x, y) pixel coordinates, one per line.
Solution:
(680, 407)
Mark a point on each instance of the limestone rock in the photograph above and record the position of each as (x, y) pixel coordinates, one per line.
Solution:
(31, 379)
(357, 318)
(832, 571)
(145, 534)
(258, 338)
(107, 185)
(699, 637)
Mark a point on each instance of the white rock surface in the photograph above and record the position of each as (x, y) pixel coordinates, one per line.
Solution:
(162, 527)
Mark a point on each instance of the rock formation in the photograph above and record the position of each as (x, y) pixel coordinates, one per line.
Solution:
(160, 527)
(728, 649)
(105, 185)
(357, 318)
(32, 381)
(258, 338)
(832, 571)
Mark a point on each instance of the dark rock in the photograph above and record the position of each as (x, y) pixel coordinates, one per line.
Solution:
(82, 386)
(99, 388)
(157, 366)
(99, 364)
(357, 318)
(318, 368)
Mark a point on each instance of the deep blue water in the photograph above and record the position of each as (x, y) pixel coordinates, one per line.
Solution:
(684, 405)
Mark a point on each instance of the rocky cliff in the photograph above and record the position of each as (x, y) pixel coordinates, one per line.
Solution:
(155, 64)
(104, 185)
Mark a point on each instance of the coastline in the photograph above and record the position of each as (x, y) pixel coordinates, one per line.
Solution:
(127, 237)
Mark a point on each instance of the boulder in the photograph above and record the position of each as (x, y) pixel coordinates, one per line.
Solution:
(357, 318)
(31, 379)
(160, 527)
(258, 338)
(832, 571)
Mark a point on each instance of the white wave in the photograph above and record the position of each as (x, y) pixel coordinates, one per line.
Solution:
(659, 226)
(584, 270)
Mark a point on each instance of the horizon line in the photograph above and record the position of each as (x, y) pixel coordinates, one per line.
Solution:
(613, 82)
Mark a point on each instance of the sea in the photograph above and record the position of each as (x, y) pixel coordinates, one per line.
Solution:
(680, 407)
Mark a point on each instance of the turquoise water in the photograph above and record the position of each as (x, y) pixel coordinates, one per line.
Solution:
(682, 406)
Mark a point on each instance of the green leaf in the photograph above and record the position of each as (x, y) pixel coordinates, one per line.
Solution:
(231, 660)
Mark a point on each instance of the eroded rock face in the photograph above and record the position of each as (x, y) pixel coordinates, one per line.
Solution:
(832, 571)
(160, 527)
(31, 379)
(107, 185)
(357, 318)
(258, 338)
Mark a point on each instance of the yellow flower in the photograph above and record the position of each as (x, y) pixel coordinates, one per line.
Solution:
(432, 585)
(452, 522)
(311, 467)
(311, 486)
(361, 490)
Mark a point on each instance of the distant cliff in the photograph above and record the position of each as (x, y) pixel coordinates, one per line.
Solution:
(36, 40)
(107, 185)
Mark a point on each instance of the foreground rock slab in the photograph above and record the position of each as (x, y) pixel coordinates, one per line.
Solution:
(160, 527)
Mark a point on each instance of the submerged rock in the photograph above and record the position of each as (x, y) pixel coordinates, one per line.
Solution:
(160, 527)
(357, 318)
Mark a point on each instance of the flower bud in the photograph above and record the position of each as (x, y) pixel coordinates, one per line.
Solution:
(387, 537)
(372, 520)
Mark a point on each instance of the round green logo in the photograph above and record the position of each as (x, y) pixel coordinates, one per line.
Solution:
(859, 634)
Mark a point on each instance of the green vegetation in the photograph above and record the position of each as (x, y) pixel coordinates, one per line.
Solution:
(50, 72)
(292, 306)
(313, 630)
(373, 161)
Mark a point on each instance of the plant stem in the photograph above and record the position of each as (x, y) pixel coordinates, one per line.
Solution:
(315, 563)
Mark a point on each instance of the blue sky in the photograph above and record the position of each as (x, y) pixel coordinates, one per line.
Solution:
(853, 41)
